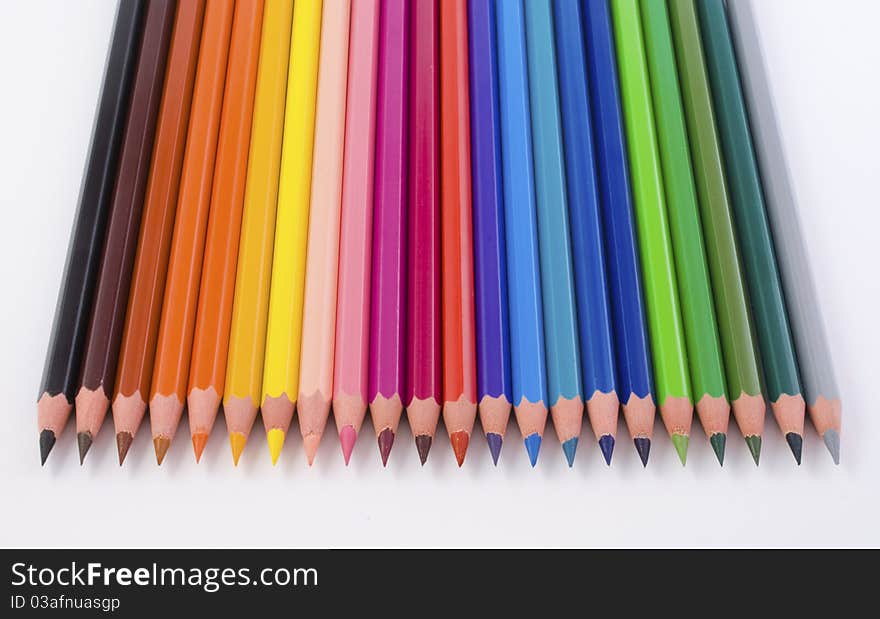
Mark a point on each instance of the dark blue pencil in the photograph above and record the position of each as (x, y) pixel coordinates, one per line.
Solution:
(631, 347)
(594, 312)
(490, 261)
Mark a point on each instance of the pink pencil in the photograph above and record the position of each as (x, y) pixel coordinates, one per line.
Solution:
(355, 236)
(322, 261)
(424, 380)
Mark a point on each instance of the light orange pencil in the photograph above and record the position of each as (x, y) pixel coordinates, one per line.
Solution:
(207, 376)
(174, 344)
(322, 262)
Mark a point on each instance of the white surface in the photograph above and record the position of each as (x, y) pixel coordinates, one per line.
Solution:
(51, 60)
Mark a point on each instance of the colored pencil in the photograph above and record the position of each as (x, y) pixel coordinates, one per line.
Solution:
(137, 351)
(388, 285)
(697, 308)
(456, 230)
(424, 380)
(728, 285)
(247, 333)
(811, 342)
(322, 264)
(661, 290)
(490, 259)
(281, 370)
(631, 346)
(101, 354)
(527, 354)
(352, 340)
(75, 299)
(207, 372)
(176, 327)
(588, 252)
(775, 344)
(554, 238)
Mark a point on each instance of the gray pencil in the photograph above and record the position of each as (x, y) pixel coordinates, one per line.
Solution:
(811, 342)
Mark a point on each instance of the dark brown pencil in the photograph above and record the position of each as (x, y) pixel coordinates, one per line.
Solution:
(64, 353)
(111, 299)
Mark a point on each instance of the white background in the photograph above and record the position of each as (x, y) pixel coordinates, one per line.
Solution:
(824, 61)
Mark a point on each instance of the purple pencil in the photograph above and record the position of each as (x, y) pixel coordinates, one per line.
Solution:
(388, 290)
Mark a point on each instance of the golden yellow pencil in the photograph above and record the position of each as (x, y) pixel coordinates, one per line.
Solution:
(247, 334)
(284, 327)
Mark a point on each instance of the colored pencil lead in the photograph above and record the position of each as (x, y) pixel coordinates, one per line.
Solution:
(199, 440)
(123, 443)
(606, 444)
(275, 438)
(310, 446)
(796, 443)
(754, 443)
(84, 442)
(460, 442)
(237, 442)
(161, 445)
(643, 446)
(47, 442)
(719, 442)
(569, 447)
(680, 442)
(347, 439)
(533, 447)
(832, 442)
(386, 442)
(423, 446)
(495, 441)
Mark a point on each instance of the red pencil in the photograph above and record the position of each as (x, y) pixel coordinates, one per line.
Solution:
(424, 378)
(459, 343)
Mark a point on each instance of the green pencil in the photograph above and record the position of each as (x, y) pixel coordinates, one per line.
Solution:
(697, 308)
(728, 286)
(658, 271)
(750, 216)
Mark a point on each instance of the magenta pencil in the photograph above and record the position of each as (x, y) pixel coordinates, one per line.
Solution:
(388, 285)
(355, 235)
(424, 377)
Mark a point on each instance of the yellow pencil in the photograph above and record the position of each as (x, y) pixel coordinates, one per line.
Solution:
(284, 333)
(247, 333)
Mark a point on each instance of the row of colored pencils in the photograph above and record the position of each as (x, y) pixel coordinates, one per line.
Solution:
(443, 207)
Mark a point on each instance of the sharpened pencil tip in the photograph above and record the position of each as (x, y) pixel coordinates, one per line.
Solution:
(569, 448)
(460, 442)
(347, 438)
(237, 442)
(386, 442)
(796, 443)
(681, 442)
(47, 442)
(606, 445)
(643, 447)
(275, 438)
(495, 441)
(199, 441)
(423, 446)
(719, 443)
(831, 439)
(310, 446)
(533, 447)
(123, 443)
(754, 444)
(161, 445)
(84, 442)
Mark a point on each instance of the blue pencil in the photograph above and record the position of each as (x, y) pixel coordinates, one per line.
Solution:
(490, 260)
(594, 313)
(557, 271)
(527, 357)
(631, 347)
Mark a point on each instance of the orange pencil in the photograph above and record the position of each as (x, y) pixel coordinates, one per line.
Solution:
(459, 343)
(151, 260)
(171, 366)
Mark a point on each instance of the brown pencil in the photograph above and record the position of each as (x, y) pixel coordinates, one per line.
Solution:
(151, 260)
(108, 315)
